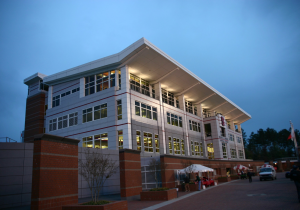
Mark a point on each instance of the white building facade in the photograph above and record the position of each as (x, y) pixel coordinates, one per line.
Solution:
(140, 99)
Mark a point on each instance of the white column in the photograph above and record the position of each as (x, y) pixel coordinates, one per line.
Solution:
(239, 128)
(126, 108)
(82, 88)
(158, 92)
(50, 95)
(186, 124)
(232, 125)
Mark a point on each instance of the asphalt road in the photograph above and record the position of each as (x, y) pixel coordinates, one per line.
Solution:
(242, 195)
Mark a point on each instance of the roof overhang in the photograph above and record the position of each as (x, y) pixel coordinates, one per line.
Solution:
(150, 63)
(34, 78)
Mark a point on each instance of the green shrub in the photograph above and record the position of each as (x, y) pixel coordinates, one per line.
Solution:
(159, 189)
(102, 202)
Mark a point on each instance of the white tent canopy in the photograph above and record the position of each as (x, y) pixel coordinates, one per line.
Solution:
(240, 167)
(195, 168)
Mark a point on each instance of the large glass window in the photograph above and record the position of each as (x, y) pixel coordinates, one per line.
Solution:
(73, 119)
(168, 97)
(138, 140)
(241, 154)
(59, 123)
(231, 137)
(148, 146)
(194, 126)
(170, 146)
(53, 124)
(233, 153)
(207, 128)
(189, 107)
(224, 149)
(145, 87)
(176, 143)
(239, 139)
(135, 83)
(119, 109)
(99, 141)
(87, 115)
(94, 113)
(89, 85)
(146, 110)
(120, 139)
(174, 119)
(210, 151)
(56, 101)
(156, 143)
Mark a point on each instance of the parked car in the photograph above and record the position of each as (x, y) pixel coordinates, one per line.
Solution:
(267, 172)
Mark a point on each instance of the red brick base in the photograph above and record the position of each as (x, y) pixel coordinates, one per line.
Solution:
(159, 195)
(117, 205)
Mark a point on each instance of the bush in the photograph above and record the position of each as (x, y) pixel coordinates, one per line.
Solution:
(101, 202)
(159, 189)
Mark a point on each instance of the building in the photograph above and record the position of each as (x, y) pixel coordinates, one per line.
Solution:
(140, 99)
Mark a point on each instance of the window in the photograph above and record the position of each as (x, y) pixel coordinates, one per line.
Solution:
(231, 137)
(154, 113)
(148, 146)
(87, 115)
(210, 151)
(65, 121)
(138, 140)
(146, 110)
(239, 139)
(94, 113)
(135, 83)
(189, 107)
(56, 101)
(233, 153)
(194, 126)
(170, 146)
(176, 146)
(120, 138)
(207, 128)
(119, 109)
(52, 124)
(153, 92)
(174, 119)
(119, 79)
(99, 141)
(73, 119)
(89, 85)
(197, 148)
(195, 110)
(59, 124)
(224, 149)
(156, 140)
(182, 147)
(177, 104)
(241, 154)
(112, 78)
(222, 131)
(43, 86)
(145, 87)
(168, 97)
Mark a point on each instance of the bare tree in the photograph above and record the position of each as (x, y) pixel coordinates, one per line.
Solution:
(96, 169)
(156, 166)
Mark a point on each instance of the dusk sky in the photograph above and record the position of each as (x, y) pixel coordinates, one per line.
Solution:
(247, 50)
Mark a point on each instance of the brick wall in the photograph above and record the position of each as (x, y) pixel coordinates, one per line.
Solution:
(55, 172)
(130, 174)
(35, 116)
(173, 163)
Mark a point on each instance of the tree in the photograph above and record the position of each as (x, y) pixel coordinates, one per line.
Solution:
(96, 169)
(156, 166)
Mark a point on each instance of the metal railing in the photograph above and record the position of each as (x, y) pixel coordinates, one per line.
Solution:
(7, 140)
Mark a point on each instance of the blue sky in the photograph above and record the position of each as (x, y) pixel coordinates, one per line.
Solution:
(247, 50)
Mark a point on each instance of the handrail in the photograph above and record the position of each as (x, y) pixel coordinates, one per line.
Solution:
(7, 139)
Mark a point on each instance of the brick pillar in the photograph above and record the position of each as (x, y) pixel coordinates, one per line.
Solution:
(288, 165)
(130, 174)
(55, 172)
(279, 166)
(35, 116)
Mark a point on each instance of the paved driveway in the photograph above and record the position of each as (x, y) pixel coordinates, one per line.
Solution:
(242, 195)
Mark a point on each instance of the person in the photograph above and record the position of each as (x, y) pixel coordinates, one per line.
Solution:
(295, 175)
(187, 183)
(199, 182)
(249, 174)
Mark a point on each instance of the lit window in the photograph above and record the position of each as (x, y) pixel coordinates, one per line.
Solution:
(119, 109)
(88, 142)
(137, 108)
(176, 146)
(210, 151)
(148, 146)
(138, 140)
(170, 146)
(156, 143)
(224, 149)
(120, 138)
(182, 147)
(233, 153)
(112, 78)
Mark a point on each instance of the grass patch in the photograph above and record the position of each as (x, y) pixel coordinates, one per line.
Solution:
(159, 189)
(102, 202)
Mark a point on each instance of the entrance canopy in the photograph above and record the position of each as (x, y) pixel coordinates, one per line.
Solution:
(240, 167)
(195, 168)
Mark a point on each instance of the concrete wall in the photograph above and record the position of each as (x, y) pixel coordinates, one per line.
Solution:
(15, 174)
